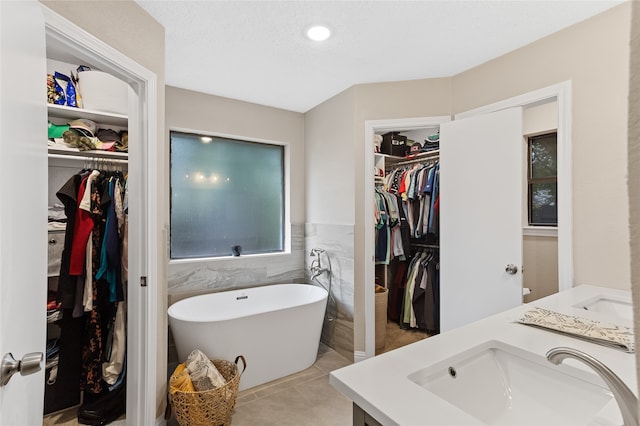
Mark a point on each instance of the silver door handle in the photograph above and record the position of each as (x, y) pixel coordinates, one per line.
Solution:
(29, 364)
(511, 269)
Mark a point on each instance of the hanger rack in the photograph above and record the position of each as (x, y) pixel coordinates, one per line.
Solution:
(91, 159)
(421, 245)
(431, 156)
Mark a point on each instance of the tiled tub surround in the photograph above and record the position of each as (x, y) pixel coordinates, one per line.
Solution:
(186, 279)
(337, 241)
(191, 278)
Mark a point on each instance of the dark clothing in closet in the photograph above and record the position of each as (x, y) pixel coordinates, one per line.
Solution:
(92, 352)
(65, 392)
(397, 290)
(405, 229)
(418, 299)
(67, 283)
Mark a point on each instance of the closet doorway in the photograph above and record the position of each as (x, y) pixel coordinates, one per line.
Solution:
(29, 32)
(407, 239)
(376, 272)
(561, 94)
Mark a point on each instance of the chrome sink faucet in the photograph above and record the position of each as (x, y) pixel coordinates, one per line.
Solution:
(627, 401)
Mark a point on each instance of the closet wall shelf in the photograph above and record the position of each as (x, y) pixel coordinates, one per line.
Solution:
(63, 154)
(389, 157)
(391, 161)
(70, 113)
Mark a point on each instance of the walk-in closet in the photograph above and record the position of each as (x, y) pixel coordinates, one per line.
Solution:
(473, 230)
(60, 356)
(87, 274)
(406, 216)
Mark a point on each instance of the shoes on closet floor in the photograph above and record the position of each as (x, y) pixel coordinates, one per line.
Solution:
(103, 409)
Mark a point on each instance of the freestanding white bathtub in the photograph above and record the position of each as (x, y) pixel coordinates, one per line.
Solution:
(275, 327)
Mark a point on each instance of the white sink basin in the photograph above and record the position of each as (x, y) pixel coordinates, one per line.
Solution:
(500, 384)
(618, 307)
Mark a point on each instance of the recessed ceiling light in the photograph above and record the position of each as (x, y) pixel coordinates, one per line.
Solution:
(318, 33)
(206, 139)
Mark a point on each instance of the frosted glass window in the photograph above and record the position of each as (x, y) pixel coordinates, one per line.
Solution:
(226, 195)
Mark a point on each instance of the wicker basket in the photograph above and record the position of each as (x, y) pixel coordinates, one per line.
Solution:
(213, 407)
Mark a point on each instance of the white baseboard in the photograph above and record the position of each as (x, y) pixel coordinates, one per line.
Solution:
(359, 356)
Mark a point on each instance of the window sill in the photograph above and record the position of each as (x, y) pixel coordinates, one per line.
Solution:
(540, 231)
(227, 258)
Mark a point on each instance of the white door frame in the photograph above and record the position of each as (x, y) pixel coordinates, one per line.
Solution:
(370, 128)
(562, 93)
(143, 217)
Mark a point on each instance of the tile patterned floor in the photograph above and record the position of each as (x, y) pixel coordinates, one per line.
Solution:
(302, 399)
(305, 398)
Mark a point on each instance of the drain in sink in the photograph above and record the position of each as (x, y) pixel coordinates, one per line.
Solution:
(452, 372)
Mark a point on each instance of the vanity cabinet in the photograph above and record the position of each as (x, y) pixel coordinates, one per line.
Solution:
(362, 418)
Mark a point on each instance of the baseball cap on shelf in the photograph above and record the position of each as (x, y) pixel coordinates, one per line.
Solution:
(108, 139)
(108, 135)
(433, 137)
(56, 131)
(85, 126)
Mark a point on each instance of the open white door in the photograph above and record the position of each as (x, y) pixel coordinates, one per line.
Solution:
(23, 206)
(480, 216)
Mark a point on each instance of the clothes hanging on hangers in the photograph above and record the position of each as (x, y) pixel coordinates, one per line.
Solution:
(391, 234)
(421, 301)
(92, 282)
(418, 186)
(409, 197)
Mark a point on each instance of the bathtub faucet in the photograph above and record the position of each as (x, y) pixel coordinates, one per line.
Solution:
(316, 271)
(316, 252)
(316, 268)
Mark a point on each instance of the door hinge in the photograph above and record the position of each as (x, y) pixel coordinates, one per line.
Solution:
(143, 281)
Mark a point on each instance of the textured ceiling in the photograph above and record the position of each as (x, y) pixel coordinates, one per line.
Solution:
(256, 51)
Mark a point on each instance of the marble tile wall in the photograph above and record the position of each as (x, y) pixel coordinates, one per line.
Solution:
(337, 241)
(193, 278)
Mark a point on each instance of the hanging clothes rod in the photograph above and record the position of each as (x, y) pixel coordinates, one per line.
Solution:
(432, 156)
(96, 159)
(420, 245)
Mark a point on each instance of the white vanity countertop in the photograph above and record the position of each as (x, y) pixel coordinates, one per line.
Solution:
(380, 385)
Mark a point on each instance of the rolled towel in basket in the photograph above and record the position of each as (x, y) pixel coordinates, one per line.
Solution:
(180, 381)
(204, 375)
